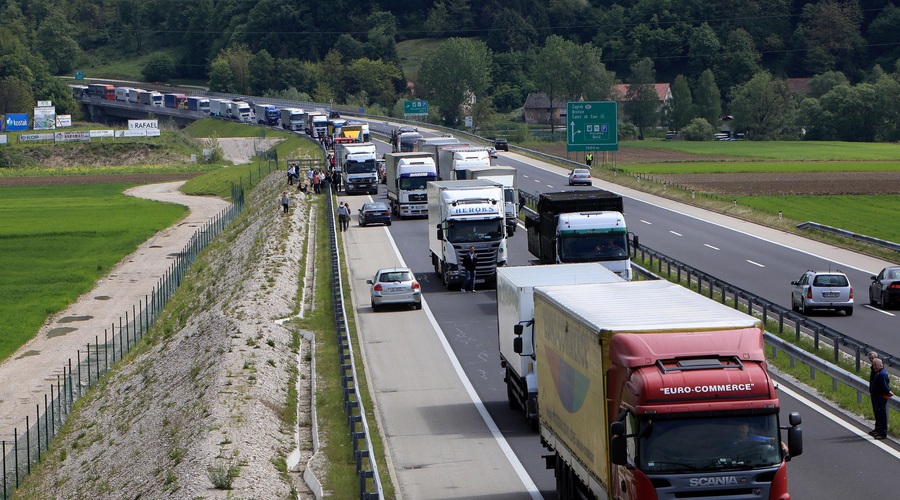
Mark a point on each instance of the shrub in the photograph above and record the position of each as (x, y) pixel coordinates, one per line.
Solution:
(223, 473)
(699, 130)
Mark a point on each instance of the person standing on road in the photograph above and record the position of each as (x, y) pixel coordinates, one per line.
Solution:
(469, 261)
(880, 392)
(285, 202)
(588, 159)
(344, 216)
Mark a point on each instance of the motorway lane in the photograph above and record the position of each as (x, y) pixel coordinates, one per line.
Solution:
(438, 444)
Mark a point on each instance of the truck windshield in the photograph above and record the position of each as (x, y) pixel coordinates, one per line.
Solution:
(360, 167)
(593, 247)
(709, 444)
(411, 183)
(475, 230)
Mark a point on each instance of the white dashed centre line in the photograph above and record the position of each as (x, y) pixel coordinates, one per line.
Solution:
(710, 246)
(755, 263)
(647, 222)
(676, 234)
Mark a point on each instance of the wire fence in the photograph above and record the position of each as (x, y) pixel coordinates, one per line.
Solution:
(31, 441)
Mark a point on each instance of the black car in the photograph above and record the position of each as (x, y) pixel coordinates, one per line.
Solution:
(884, 291)
(501, 144)
(374, 213)
(405, 128)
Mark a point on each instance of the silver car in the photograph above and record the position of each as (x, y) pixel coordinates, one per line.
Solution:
(822, 290)
(395, 285)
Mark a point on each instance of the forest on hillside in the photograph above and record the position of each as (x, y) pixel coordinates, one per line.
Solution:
(721, 57)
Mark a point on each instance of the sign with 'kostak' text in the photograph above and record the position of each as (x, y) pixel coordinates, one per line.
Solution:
(17, 121)
(143, 124)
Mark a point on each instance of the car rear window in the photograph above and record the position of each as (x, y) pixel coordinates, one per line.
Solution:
(400, 276)
(830, 280)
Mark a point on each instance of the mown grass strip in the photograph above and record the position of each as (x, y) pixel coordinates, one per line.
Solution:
(779, 150)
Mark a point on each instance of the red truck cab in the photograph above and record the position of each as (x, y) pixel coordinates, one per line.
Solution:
(701, 421)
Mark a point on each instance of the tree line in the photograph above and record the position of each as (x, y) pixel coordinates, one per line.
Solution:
(720, 57)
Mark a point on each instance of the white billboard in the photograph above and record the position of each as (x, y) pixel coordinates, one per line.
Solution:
(143, 124)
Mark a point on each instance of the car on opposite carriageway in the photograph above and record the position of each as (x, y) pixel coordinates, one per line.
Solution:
(822, 290)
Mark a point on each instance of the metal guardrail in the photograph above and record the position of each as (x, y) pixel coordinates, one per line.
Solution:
(890, 245)
(366, 467)
(26, 448)
(842, 345)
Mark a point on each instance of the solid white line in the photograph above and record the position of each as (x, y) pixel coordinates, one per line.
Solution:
(882, 311)
(676, 234)
(755, 263)
(710, 246)
(470, 390)
(838, 420)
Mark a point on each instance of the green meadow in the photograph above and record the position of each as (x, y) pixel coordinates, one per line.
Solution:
(57, 241)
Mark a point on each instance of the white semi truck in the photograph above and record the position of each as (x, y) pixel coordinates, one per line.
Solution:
(408, 175)
(463, 214)
(293, 119)
(507, 176)
(515, 306)
(454, 161)
(316, 124)
(581, 226)
(357, 164)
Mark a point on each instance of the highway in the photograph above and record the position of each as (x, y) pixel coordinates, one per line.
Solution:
(840, 460)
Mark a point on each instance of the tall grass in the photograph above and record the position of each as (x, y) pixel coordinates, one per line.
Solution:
(57, 241)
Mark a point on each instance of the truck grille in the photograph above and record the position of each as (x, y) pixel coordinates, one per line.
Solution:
(487, 260)
(418, 197)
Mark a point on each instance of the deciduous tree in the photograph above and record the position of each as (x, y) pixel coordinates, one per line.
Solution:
(458, 69)
(763, 106)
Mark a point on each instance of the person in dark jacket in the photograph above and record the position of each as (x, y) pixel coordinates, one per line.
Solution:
(469, 262)
(880, 392)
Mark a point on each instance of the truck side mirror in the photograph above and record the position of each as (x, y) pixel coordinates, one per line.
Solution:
(519, 329)
(617, 445)
(794, 435)
(440, 233)
(517, 345)
(636, 242)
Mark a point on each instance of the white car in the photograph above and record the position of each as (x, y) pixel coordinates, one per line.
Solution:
(395, 285)
(822, 290)
(580, 176)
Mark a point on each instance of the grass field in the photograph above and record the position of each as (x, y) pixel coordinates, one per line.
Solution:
(767, 167)
(780, 150)
(57, 241)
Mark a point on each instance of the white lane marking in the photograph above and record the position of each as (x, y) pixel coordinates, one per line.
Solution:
(755, 263)
(676, 234)
(838, 420)
(470, 390)
(710, 246)
(882, 311)
(647, 222)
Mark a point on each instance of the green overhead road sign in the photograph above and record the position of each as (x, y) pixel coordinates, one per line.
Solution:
(415, 107)
(591, 126)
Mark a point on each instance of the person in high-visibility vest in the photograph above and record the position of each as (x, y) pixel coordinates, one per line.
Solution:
(589, 158)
